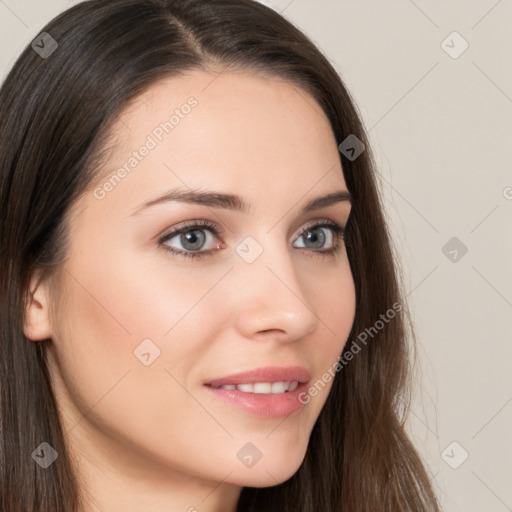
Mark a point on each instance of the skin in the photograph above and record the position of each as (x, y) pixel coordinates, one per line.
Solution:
(152, 437)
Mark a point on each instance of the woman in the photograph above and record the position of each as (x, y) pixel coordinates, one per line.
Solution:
(200, 307)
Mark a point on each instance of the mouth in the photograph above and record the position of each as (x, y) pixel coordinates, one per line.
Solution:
(270, 379)
(263, 388)
(263, 399)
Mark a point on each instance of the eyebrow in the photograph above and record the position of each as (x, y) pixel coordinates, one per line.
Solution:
(235, 202)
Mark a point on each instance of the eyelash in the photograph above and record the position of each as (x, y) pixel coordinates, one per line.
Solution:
(339, 235)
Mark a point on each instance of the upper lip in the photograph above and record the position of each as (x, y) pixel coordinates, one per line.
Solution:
(267, 374)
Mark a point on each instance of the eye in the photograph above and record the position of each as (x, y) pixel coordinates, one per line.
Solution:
(192, 239)
(314, 237)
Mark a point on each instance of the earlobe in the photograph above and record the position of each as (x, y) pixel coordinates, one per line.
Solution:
(37, 325)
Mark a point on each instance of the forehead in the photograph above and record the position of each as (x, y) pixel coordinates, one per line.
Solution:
(237, 129)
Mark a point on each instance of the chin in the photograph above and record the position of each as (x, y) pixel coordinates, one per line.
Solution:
(264, 479)
(267, 474)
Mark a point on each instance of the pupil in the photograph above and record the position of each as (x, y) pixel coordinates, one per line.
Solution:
(191, 238)
(319, 240)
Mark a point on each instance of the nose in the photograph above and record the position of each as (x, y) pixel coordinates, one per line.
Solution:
(271, 301)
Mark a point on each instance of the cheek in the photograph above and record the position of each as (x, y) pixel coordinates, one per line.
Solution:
(343, 315)
(124, 296)
(333, 296)
(129, 314)
(335, 306)
(110, 308)
(346, 309)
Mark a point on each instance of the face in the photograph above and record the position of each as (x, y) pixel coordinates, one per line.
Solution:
(159, 300)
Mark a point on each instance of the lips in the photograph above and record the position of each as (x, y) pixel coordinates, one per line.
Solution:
(269, 374)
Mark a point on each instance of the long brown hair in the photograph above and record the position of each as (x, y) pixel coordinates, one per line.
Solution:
(55, 112)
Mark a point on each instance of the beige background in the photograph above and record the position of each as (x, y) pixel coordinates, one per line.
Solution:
(441, 130)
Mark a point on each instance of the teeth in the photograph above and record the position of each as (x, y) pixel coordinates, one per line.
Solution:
(264, 387)
(293, 385)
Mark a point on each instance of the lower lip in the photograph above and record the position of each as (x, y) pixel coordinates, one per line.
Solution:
(263, 405)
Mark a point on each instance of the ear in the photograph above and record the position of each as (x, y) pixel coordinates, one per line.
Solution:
(37, 325)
